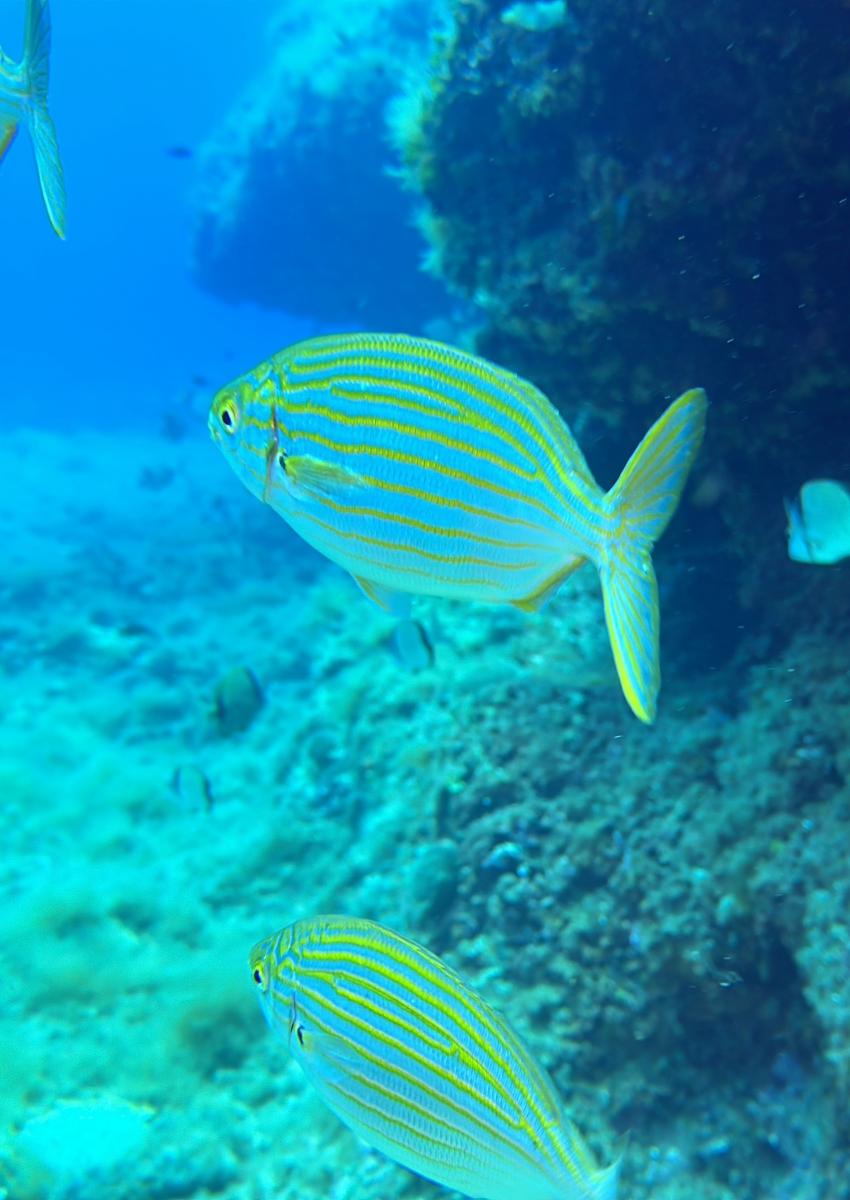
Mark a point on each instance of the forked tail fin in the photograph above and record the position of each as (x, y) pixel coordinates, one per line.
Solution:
(39, 121)
(644, 499)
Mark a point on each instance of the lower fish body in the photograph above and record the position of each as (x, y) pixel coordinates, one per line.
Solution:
(423, 469)
(419, 1065)
(23, 100)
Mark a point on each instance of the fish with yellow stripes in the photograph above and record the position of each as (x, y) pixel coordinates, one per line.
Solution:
(418, 1065)
(23, 98)
(422, 469)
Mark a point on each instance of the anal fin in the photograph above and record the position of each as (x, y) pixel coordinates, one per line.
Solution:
(395, 603)
(536, 600)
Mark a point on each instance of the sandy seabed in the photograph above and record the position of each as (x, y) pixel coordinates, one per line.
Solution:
(136, 575)
(639, 902)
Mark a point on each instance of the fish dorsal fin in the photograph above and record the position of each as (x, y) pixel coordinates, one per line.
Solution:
(315, 475)
(549, 421)
(537, 599)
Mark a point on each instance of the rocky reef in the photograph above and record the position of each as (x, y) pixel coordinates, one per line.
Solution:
(202, 744)
(662, 912)
(639, 198)
(295, 206)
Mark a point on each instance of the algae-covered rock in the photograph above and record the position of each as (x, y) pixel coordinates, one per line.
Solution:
(296, 208)
(661, 912)
(641, 197)
(78, 1139)
(665, 916)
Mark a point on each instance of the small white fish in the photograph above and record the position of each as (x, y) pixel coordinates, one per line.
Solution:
(23, 97)
(819, 523)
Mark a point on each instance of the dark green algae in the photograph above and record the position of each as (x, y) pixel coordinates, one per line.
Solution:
(652, 196)
(644, 198)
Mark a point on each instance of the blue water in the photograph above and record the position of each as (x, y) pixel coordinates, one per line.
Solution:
(207, 731)
(110, 323)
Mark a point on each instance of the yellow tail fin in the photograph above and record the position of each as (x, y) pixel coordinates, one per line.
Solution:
(39, 121)
(644, 499)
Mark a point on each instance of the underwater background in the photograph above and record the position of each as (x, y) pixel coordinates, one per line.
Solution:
(207, 732)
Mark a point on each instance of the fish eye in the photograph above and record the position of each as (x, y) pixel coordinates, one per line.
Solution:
(227, 414)
(258, 974)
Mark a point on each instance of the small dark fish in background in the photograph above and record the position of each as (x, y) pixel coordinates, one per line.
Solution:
(156, 479)
(193, 788)
(237, 698)
(180, 152)
(412, 646)
(134, 629)
(180, 418)
(172, 427)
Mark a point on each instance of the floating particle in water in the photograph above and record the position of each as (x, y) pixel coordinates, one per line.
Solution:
(237, 699)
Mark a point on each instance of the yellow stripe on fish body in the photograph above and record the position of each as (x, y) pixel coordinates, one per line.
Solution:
(422, 469)
(419, 1065)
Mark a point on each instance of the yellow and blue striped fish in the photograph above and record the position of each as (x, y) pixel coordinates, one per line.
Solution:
(418, 1065)
(423, 469)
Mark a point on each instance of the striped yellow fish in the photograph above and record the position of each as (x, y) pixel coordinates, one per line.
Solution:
(422, 469)
(418, 1065)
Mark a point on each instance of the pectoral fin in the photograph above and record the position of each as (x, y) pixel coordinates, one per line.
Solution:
(316, 475)
(7, 136)
(328, 1054)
